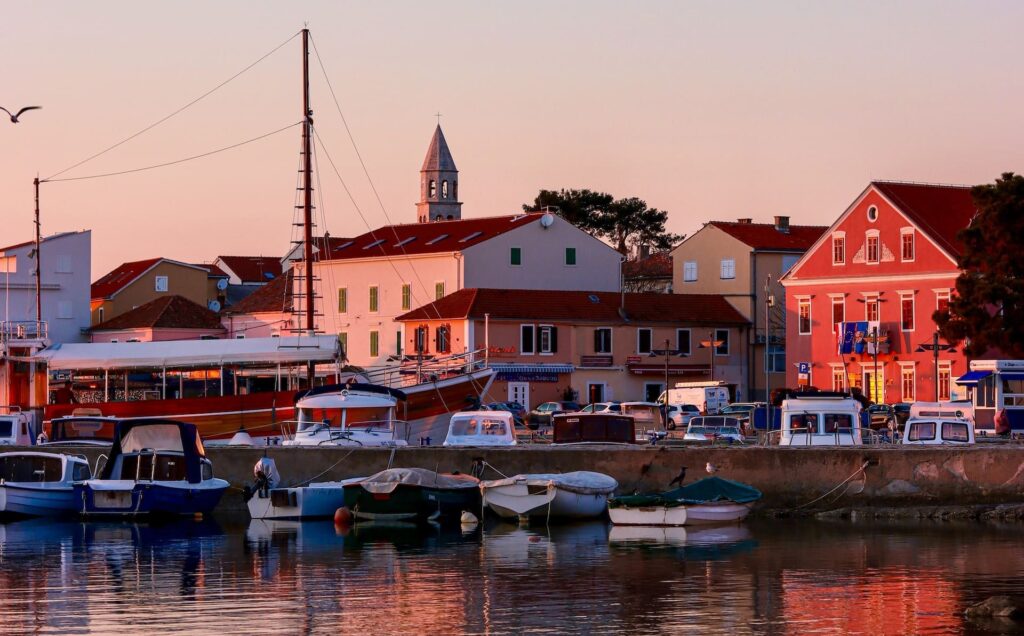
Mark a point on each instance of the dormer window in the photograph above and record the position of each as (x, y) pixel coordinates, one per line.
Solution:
(435, 240)
(433, 189)
(444, 189)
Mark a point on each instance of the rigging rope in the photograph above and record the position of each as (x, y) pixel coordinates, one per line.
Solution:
(160, 121)
(177, 161)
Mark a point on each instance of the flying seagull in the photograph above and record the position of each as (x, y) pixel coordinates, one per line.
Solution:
(15, 116)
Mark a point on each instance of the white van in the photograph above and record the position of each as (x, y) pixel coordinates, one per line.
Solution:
(820, 420)
(709, 398)
(933, 423)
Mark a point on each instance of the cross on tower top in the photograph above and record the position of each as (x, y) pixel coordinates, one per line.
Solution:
(438, 115)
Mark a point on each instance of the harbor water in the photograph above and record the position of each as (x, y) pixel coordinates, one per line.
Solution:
(235, 576)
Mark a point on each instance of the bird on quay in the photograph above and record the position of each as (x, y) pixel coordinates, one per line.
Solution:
(678, 478)
(711, 468)
(15, 116)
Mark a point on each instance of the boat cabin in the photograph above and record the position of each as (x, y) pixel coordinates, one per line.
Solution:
(937, 423)
(16, 427)
(481, 428)
(157, 450)
(599, 428)
(648, 418)
(360, 413)
(37, 468)
(821, 419)
(80, 430)
(711, 428)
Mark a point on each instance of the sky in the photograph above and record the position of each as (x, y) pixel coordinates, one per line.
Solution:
(708, 110)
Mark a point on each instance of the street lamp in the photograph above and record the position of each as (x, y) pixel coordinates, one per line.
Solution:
(935, 346)
(668, 353)
(712, 344)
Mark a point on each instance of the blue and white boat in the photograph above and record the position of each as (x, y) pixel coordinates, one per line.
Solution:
(156, 467)
(35, 484)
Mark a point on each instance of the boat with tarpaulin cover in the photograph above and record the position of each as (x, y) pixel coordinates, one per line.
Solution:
(412, 494)
(709, 500)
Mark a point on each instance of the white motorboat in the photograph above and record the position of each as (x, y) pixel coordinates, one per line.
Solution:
(707, 501)
(577, 495)
(481, 428)
(656, 514)
(40, 484)
(311, 501)
(358, 415)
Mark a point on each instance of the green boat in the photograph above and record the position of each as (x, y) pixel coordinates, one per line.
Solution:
(412, 494)
(707, 501)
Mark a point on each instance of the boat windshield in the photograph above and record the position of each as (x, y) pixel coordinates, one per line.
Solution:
(156, 466)
(955, 432)
(363, 417)
(463, 426)
(921, 431)
(6, 428)
(81, 428)
(29, 468)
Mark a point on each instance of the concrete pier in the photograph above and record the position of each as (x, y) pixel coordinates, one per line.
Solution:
(803, 479)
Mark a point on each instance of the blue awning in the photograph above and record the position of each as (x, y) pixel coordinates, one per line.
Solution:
(532, 368)
(1011, 376)
(971, 378)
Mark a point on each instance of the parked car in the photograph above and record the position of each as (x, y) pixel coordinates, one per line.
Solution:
(902, 411)
(742, 411)
(602, 407)
(542, 415)
(679, 415)
(714, 428)
(882, 416)
(516, 409)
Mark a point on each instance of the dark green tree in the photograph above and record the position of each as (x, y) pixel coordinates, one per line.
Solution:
(987, 311)
(622, 222)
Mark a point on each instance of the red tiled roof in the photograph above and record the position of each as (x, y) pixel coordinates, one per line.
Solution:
(426, 238)
(939, 210)
(580, 306)
(213, 270)
(764, 236)
(654, 266)
(168, 312)
(253, 269)
(123, 274)
(275, 296)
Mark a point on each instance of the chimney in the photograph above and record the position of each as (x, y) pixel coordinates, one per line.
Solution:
(782, 224)
(744, 221)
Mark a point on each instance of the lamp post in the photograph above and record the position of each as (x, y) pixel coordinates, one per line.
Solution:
(712, 344)
(668, 353)
(935, 347)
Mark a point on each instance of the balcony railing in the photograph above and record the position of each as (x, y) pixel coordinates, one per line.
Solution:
(18, 330)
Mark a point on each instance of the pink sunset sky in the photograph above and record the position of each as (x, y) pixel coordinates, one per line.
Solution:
(709, 110)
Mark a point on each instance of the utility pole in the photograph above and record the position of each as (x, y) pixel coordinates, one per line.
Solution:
(668, 353)
(769, 302)
(935, 348)
(307, 196)
(39, 260)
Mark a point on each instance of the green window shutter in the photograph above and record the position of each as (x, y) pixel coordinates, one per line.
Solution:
(374, 343)
(343, 341)
(406, 297)
(515, 256)
(570, 256)
(342, 300)
(439, 291)
(373, 298)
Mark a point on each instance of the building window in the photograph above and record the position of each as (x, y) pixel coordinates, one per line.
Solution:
(161, 284)
(444, 189)
(872, 213)
(398, 342)
(603, 340)
(871, 309)
(722, 335)
(775, 359)
(433, 189)
(728, 268)
(10, 264)
(643, 340)
(547, 339)
(838, 379)
(838, 312)
(838, 249)
(374, 344)
(64, 309)
(907, 383)
(683, 341)
(342, 300)
(515, 256)
(64, 264)
(374, 298)
(907, 245)
(570, 256)
(526, 333)
(343, 343)
(804, 312)
(443, 338)
(439, 290)
(406, 296)
(942, 300)
(907, 313)
(871, 251)
(99, 314)
(422, 334)
(945, 376)
(690, 271)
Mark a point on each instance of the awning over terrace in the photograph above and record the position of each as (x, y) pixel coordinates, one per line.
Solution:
(971, 378)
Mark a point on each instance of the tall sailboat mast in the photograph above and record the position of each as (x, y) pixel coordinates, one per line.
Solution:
(307, 197)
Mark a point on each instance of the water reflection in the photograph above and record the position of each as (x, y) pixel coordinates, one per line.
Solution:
(294, 577)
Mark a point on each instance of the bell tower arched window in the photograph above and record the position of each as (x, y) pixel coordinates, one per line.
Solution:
(444, 189)
(433, 189)
(455, 190)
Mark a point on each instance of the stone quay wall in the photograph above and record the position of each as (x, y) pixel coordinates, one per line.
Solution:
(792, 479)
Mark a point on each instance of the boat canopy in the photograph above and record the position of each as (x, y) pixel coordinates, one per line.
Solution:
(583, 482)
(707, 490)
(131, 436)
(387, 480)
(189, 353)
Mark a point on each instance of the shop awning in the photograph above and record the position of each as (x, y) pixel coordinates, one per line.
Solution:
(511, 367)
(971, 378)
(1011, 376)
(189, 353)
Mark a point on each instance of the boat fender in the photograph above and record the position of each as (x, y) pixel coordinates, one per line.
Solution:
(468, 518)
(343, 517)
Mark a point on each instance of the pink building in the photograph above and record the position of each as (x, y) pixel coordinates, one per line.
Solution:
(166, 318)
(265, 313)
(888, 262)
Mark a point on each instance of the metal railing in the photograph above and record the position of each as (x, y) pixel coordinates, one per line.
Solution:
(810, 434)
(400, 428)
(15, 330)
(415, 369)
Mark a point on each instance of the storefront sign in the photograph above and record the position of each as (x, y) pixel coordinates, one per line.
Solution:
(596, 361)
(527, 376)
(501, 352)
(633, 360)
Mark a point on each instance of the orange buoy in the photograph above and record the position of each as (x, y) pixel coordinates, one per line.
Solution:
(343, 516)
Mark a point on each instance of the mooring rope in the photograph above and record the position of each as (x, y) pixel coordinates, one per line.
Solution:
(837, 487)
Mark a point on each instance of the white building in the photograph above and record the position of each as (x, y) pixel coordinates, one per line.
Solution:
(66, 260)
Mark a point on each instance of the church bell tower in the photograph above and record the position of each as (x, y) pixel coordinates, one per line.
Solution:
(439, 183)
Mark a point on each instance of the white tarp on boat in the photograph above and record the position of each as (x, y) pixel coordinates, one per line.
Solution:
(387, 480)
(583, 482)
(156, 437)
(189, 353)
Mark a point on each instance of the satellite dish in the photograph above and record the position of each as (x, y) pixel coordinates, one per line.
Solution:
(547, 220)
(213, 305)
(222, 284)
